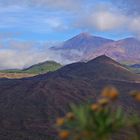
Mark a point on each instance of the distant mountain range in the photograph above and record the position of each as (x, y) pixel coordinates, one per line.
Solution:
(29, 107)
(85, 47)
(39, 68)
(135, 68)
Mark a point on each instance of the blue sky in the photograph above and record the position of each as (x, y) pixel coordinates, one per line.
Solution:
(53, 21)
(31, 26)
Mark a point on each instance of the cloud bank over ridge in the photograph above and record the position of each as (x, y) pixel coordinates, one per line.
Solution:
(24, 23)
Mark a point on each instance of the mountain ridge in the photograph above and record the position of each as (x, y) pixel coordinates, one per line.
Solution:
(102, 66)
(84, 47)
(85, 39)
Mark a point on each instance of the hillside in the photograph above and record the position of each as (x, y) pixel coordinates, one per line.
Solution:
(84, 41)
(125, 51)
(29, 106)
(86, 47)
(33, 70)
(43, 67)
(101, 67)
(79, 46)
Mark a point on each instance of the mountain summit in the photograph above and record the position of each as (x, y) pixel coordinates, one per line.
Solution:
(85, 46)
(103, 59)
(84, 35)
(102, 67)
(84, 41)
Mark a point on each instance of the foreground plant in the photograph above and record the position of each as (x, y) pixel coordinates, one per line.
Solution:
(98, 121)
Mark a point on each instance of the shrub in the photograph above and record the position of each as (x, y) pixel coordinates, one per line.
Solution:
(98, 121)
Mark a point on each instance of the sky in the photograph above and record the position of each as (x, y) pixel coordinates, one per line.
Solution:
(29, 27)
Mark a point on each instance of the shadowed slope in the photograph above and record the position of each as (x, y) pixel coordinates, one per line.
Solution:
(28, 107)
(101, 67)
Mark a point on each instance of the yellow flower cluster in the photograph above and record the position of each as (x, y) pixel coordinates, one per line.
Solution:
(64, 134)
(108, 95)
(136, 95)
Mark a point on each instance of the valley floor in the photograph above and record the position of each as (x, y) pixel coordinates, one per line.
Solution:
(15, 75)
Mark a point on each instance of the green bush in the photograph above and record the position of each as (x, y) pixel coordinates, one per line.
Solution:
(98, 121)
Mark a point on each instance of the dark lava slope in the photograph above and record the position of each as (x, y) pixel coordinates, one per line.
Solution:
(28, 107)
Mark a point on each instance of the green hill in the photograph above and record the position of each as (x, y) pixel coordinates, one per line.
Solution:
(44, 67)
(39, 68)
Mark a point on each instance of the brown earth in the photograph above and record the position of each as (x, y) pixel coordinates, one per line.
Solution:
(15, 75)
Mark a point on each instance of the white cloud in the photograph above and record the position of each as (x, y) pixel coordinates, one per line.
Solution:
(106, 18)
(131, 7)
(62, 15)
(56, 24)
(22, 54)
(19, 54)
(135, 26)
(52, 4)
(62, 4)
